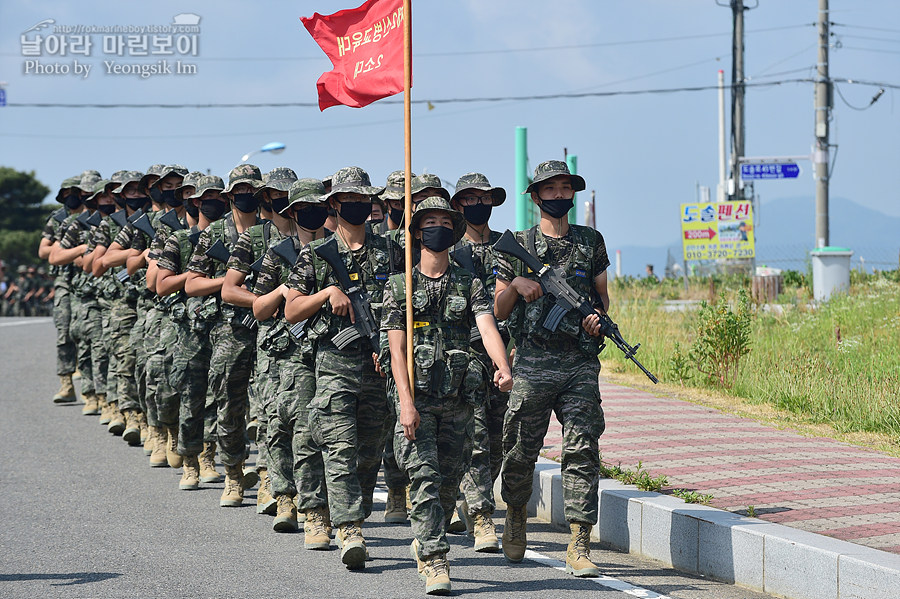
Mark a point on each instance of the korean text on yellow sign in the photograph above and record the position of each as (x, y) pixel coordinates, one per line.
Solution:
(717, 231)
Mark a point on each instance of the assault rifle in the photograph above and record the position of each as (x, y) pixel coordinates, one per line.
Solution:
(257, 266)
(95, 219)
(143, 225)
(135, 215)
(60, 215)
(194, 237)
(463, 257)
(285, 250)
(119, 217)
(82, 219)
(553, 282)
(170, 219)
(219, 252)
(365, 325)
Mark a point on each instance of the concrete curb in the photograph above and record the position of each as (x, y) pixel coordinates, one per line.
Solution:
(722, 545)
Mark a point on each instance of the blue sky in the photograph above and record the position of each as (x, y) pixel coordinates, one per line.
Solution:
(643, 154)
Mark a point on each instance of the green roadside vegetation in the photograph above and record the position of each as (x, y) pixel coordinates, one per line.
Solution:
(831, 370)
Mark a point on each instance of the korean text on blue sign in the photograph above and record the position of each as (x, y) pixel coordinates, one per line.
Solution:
(784, 170)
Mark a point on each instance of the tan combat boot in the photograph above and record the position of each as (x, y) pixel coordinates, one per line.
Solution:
(172, 456)
(190, 474)
(485, 533)
(514, 539)
(265, 503)
(457, 525)
(317, 530)
(578, 553)
(208, 472)
(233, 495)
(285, 515)
(350, 539)
(103, 409)
(395, 506)
(91, 406)
(66, 393)
(158, 451)
(146, 439)
(116, 420)
(132, 430)
(436, 571)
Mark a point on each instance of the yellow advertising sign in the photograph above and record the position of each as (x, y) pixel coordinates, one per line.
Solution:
(717, 230)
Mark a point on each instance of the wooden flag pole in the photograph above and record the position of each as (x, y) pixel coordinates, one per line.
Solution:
(407, 209)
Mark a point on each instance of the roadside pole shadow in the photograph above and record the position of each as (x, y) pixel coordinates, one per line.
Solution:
(73, 577)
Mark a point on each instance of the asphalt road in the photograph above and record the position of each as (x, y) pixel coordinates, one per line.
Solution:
(83, 515)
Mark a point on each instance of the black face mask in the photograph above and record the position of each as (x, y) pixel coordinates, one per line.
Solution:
(136, 203)
(313, 217)
(245, 202)
(72, 201)
(155, 194)
(191, 209)
(212, 209)
(396, 215)
(168, 196)
(267, 206)
(120, 201)
(107, 209)
(356, 213)
(437, 239)
(557, 208)
(279, 204)
(477, 214)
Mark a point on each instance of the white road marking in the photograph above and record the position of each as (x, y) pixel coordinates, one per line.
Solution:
(604, 581)
(34, 320)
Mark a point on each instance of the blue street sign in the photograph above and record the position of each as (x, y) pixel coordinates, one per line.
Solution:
(780, 170)
(2, 97)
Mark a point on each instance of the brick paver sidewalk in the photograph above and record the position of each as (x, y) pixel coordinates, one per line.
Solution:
(810, 483)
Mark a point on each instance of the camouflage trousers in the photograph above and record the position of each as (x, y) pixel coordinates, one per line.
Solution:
(487, 447)
(394, 476)
(563, 381)
(164, 396)
(347, 421)
(263, 399)
(65, 346)
(230, 366)
(136, 340)
(296, 466)
(189, 375)
(122, 318)
(79, 332)
(435, 465)
(92, 332)
(113, 358)
(154, 363)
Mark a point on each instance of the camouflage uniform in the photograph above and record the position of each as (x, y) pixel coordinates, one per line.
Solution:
(487, 447)
(446, 383)
(62, 315)
(555, 371)
(233, 347)
(348, 411)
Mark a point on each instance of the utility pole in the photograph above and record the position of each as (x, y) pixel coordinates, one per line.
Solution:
(823, 115)
(737, 96)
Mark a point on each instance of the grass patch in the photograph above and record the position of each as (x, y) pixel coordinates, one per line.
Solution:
(692, 496)
(637, 477)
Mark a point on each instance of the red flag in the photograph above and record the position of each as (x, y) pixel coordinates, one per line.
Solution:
(365, 45)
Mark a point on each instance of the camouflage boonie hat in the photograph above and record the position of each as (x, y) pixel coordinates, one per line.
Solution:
(428, 180)
(154, 171)
(550, 169)
(123, 178)
(279, 179)
(396, 185)
(171, 169)
(190, 180)
(205, 183)
(352, 179)
(66, 185)
(87, 181)
(244, 173)
(479, 181)
(438, 203)
(308, 190)
(101, 186)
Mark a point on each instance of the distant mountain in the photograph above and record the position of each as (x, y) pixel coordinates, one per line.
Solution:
(785, 232)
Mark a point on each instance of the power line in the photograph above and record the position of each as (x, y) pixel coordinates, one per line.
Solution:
(877, 50)
(424, 101)
(863, 27)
